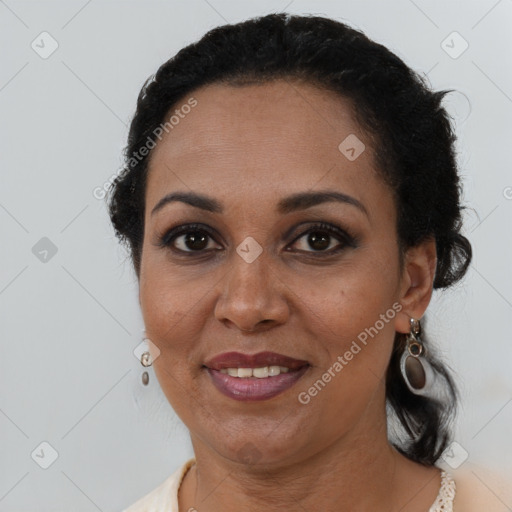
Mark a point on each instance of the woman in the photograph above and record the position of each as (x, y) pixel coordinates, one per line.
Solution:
(290, 200)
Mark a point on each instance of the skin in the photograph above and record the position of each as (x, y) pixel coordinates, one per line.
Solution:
(248, 147)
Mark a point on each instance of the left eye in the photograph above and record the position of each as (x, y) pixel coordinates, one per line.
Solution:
(322, 239)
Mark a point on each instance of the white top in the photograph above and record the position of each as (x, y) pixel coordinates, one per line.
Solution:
(165, 497)
(477, 491)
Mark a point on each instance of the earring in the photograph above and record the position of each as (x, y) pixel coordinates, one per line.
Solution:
(149, 352)
(417, 372)
(145, 356)
(145, 359)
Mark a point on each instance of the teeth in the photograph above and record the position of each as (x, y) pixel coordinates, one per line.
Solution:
(274, 370)
(260, 373)
(244, 372)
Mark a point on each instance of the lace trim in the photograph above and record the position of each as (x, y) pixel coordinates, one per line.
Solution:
(444, 500)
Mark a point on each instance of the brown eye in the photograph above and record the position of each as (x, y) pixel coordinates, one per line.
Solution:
(323, 238)
(194, 240)
(189, 238)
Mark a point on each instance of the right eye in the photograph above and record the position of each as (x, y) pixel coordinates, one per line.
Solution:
(189, 238)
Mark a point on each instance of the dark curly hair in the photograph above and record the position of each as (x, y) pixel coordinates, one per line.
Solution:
(413, 143)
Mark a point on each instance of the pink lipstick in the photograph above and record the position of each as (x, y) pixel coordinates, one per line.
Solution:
(250, 377)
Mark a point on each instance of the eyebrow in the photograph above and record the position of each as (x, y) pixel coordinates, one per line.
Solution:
(292, 203)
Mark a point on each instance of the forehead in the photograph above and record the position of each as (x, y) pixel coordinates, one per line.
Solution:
(270, 139)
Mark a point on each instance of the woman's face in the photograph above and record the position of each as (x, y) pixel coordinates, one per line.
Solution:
(258, 273)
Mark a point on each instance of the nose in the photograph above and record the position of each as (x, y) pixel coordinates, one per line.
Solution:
(253, 298)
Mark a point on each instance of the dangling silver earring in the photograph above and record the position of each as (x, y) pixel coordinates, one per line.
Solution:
(145, 360)
(417, 372)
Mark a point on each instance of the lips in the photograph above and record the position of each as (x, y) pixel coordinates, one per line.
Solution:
(239, 360)
(253, 388)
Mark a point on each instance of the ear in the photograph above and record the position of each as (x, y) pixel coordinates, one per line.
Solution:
(417, 282)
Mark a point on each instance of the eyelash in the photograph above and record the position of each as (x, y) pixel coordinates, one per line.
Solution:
(345, 238)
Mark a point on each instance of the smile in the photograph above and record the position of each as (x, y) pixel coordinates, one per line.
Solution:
(254, 377)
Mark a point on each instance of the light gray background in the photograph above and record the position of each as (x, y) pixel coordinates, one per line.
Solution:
(69, 325)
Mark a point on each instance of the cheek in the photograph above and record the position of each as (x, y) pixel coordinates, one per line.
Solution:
(350, 378)
(173, 313)
(355, 338)
(351, 299)
(167, 292)
(171, 306)
(352, 317)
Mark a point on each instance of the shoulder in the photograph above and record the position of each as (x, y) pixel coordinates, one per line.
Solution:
(163, 498)
(479, 488)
